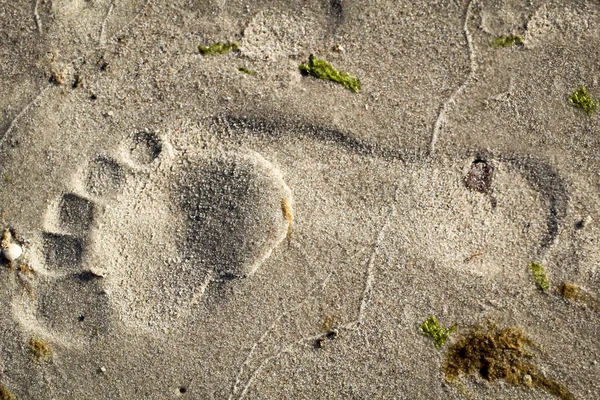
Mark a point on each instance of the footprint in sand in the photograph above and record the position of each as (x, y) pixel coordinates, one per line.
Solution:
(145, 230)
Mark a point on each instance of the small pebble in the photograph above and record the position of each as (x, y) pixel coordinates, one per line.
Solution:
(12, 252)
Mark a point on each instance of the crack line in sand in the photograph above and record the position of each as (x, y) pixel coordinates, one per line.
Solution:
(21, 113)
(441, 119)
(287, 349)
(36, 16)
(202, 288)
(370, 270)
(102, 37)
(264, 336)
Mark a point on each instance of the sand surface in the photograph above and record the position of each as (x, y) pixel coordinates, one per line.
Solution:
(190, 230)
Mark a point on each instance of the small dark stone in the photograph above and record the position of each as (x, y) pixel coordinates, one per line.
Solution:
(319, 343)
(479, 177)
(332, 334)
(329, 335)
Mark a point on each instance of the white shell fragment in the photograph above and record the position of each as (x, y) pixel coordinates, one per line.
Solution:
(12, 252)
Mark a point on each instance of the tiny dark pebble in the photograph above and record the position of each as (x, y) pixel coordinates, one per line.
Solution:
(479, 177)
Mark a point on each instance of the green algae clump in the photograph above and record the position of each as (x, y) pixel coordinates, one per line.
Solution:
(219, 48)
(582, 99)
(575, 294)
(246, 71)
(323, 70)
(507, 41)
(40, 350)
(570, 291)
(432, 328)
(499, 354)
(540, 276)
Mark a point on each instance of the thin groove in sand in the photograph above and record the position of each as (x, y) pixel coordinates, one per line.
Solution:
(36, 16)
(102, 37)
(441, 119)
(22, 112)
(287, 349)
(370, 268)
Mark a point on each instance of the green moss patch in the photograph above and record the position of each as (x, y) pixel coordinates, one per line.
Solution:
(219, 48)
(5, 394)
(582, 99)
(540, 276)
(323, 70)
(432, 328)
(507, 41)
